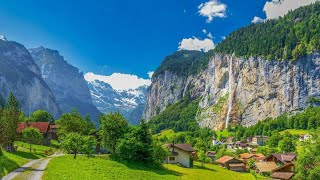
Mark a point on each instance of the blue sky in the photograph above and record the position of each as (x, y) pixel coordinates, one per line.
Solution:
(123, 36)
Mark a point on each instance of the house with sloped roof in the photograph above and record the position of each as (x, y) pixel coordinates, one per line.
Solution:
(180, 154)
(285, 172)
(45, 128)
(246, 156)
(264, 167)
(282, 158)
(231, 163)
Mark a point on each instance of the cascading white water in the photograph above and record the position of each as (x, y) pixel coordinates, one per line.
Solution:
(230, 94)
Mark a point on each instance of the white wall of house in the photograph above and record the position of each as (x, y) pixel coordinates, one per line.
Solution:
(182, 158)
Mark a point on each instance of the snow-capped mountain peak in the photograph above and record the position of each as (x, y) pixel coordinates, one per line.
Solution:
(108, 99)
(3, 38)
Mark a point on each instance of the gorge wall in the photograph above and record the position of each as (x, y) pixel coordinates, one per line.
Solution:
(259, 89)
(20, 75)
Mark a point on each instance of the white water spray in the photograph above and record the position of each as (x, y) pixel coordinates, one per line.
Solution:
(230, 94)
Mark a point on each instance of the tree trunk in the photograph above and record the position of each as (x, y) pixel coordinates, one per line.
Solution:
(75, 155)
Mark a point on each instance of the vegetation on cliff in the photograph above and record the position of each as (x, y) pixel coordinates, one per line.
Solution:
(184, 63)
(287, 38)
(178, 117)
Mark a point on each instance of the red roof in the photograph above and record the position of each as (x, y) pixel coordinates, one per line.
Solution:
(224, 159)
(42, 126)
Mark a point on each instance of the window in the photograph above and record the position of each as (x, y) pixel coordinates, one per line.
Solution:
(172, 158)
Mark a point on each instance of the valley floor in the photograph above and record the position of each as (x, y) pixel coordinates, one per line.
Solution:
(101, 167)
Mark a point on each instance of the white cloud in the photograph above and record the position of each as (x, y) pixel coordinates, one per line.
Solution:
(210, 35)
(204, 31)
(119, 81)
(257, 19)
(150, 74)
(277, 8)
(223, 37)
(196, 44)
(212, 9)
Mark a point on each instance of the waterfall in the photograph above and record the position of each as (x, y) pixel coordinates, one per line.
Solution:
(230, 94)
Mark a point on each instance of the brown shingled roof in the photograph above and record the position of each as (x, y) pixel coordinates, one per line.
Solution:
(266, 166)
(247, 155)
(282, 175)
(288, 157)
(185, 147)
(224, 159)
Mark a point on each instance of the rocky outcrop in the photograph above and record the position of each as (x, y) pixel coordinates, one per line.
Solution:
(259, 89)
(66, 82)
(20, 74)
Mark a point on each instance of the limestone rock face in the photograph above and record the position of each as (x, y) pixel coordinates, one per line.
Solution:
(21, 75)
(259, 89)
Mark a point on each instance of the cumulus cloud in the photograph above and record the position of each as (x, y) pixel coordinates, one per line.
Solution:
(212, 9)
(257, 19)
(150, 74)
(196, 44)
(119, 81)
(276, 8)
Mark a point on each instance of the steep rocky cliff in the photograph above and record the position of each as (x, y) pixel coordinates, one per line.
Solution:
(250, 89)
(20, 74)
(66, 82)
(230, 90)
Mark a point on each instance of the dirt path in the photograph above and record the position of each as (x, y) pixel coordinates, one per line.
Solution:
(33, 170)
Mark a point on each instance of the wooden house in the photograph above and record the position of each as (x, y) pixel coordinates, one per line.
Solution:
(231, 163)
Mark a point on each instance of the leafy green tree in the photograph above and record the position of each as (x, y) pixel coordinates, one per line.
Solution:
(89, 142)
(74, 123)
(137, 145)
(32, 135)
(251, 163)
(287, 145)
(9, 122)
(113, 126)
(73, 143)
(273, 141)
(41, 116)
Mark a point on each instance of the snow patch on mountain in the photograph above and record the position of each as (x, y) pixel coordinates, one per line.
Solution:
(123, 95)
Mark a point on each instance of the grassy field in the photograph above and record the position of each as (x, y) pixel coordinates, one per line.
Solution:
(38, 151)
(11, 161)
(66, 167)
(224, 133)
(169, 133)
(295, 131)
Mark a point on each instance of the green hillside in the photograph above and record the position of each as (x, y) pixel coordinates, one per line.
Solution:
(288, 38)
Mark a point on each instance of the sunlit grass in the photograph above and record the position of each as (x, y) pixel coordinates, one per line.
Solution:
(66, 167)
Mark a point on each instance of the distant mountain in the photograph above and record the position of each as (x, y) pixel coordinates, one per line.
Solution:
(66, 82)
(129, 102)
(21, 75)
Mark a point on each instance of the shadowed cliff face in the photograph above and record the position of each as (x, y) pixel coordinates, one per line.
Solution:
(67, 84)
(20, 74)
(260, 89)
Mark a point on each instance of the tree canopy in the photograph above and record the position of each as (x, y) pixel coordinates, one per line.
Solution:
(41, 116)
(287, 38)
